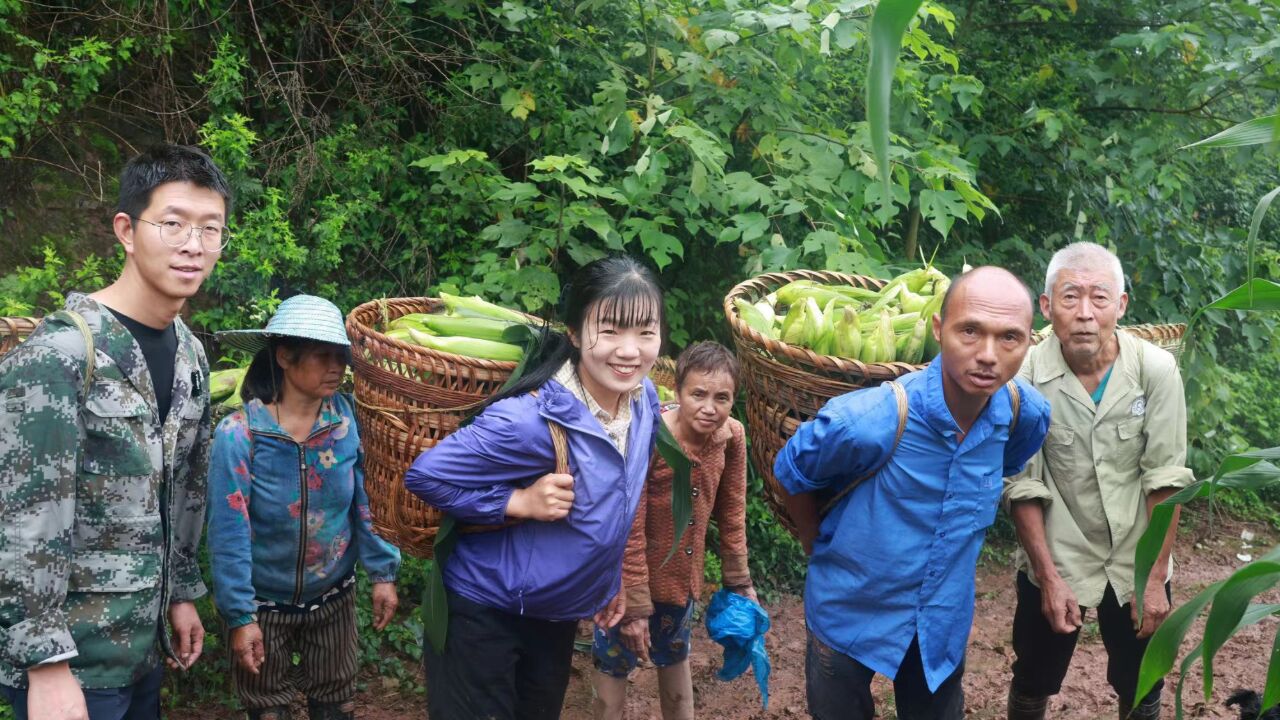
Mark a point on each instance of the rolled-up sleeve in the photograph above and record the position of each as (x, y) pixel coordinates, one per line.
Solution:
(1164, 460)
(1030, 484)
(850, 435)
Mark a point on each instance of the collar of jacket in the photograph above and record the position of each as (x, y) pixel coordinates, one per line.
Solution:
(556, 402)
(1126, 372)
(997, 411)
(263, 421)
(113, 339)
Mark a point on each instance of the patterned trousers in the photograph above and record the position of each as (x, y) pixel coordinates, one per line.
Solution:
(325, 641)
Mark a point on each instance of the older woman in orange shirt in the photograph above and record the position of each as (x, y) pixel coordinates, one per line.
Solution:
(660, 595)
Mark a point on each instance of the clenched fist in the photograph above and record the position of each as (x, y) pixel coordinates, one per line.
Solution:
(548, 499)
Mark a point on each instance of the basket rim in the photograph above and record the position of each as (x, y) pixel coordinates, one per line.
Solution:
(357, 326)
(804, 358)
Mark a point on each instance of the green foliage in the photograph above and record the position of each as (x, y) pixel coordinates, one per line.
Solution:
(36, 290)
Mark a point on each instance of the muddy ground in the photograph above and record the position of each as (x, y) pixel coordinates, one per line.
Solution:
(1203, 558)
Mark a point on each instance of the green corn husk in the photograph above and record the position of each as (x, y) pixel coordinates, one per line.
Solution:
(826, 336)
(902, 323)
(235, 400)
(792, 331)
(754, 319)
(410, 321)
(765, 308)
(476, 306)
(401, 334)
(912, 302)
(222, 383)
(797, 291)
(813, 325)
(847, 336)
(914, 351)
(472, 327)
(468, 346)
(886, 339)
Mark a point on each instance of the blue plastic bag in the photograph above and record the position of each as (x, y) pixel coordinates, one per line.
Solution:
(739, 625)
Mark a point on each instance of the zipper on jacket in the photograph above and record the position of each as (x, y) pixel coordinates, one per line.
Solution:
(302, 524)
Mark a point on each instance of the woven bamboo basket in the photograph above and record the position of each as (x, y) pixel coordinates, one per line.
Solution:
(14, 330)
(408, 398)
(787, 385)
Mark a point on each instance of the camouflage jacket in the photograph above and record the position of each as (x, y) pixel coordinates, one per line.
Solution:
(101, 505)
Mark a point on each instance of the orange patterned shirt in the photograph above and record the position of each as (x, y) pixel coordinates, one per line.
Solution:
(719, 484)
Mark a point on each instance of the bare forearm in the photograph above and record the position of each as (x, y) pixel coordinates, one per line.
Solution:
(1160, 571)
(1028, 521)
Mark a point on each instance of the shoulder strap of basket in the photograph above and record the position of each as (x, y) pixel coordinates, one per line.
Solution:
(90, 354)
(1015, 405)
(900, 395)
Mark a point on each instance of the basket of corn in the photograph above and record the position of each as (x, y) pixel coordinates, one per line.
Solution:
(806, 336)
(421, 366)
(13, 330)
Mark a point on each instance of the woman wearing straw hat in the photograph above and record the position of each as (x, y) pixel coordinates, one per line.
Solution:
(288, 518)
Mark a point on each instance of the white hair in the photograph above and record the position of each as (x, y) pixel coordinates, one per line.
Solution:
(1083, 256)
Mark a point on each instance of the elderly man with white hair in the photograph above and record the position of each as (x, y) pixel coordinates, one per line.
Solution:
(1116, 448)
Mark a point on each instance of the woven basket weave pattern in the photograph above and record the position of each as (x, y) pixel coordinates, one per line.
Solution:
(787, 385)
(14, 330)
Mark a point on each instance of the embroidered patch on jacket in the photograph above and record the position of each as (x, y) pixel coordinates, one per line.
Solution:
(1139, 407)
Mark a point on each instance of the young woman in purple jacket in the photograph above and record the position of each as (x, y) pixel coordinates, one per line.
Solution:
(515, 594)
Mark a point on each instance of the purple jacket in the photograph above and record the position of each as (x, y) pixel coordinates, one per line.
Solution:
(563, 570)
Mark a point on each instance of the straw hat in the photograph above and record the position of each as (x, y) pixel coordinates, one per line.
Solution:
(301, 316)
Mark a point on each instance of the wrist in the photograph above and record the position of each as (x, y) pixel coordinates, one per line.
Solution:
(48, 672)
(243, 620)
(516, 503)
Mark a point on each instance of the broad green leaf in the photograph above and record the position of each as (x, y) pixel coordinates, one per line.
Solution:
(1258, 213)
(716, 39)
(1252, 132)
(1258, 295)
(1161, 652)
(1229, 604)
(887, 27)
(1152, 539)
(1271, 695)
(1252, 616)
(681, 485)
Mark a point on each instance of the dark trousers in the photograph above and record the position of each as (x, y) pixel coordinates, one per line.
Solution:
(839, 687)
(139, 701)
(498, 666)
(1043, 656)
(325, 643)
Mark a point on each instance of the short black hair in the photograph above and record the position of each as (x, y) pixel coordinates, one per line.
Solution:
(962, 278)
(160, 164)
(707, 356)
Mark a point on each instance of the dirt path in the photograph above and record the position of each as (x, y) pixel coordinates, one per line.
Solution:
(1085, 696)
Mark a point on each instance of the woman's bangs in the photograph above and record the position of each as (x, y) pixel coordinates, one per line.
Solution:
(634, 305)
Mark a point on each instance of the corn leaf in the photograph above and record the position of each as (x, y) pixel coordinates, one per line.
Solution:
(1252, 132)
(1152, 539)
(435, 605)
(1162, 650)
(1252, 616)
(1229, 605)
(1271, 695)
(888, 24)
(681, 485)
(1258, 212)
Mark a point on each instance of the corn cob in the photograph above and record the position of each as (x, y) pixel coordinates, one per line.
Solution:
(754, 319)
(847, 340)
(886, 339)
(914, 351)
(476, 306)
(812, 323)
(472, 327)
(222, 383)
(470, 347)
(826, 332)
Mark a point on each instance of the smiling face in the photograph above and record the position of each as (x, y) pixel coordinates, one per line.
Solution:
(1084, 309)
(171, 273)
(986, 334)
(706, 399)
(615, 356)
(314, 371)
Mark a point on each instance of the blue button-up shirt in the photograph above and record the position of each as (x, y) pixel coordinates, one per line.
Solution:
(895, 559)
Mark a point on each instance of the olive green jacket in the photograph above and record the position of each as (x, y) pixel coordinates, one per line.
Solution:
(101, 505)
(1099, 463)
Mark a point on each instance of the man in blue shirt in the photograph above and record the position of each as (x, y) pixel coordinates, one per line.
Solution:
(891, 572)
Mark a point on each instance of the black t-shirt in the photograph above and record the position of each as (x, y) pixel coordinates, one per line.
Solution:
(160, 348)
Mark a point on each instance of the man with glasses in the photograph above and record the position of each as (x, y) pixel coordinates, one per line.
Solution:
(1116, 448)
(104, 430)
